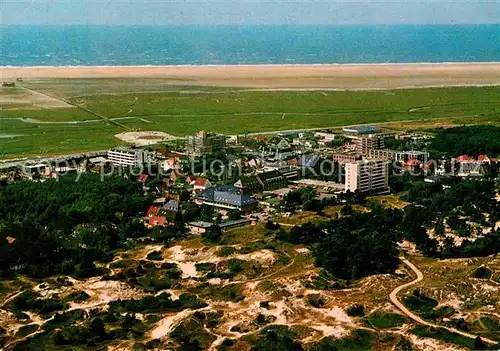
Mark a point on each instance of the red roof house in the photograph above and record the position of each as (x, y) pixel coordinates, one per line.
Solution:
(484, 159)
(202, 183)
(143, 178)
(152, 211)
(464, 158)
(191, 179)
(152, 219)
(10, 239)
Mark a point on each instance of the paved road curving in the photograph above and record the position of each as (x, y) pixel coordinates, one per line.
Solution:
(394, 299)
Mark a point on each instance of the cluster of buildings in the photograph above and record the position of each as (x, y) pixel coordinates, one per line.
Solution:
(269, 167)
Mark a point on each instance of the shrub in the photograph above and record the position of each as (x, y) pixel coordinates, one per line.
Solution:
(235, 266)
(356, 311)
(27, 330)
(212, 234)
(226, 251)
(386, 320)
(420, 302)
(205, 267)
(264, 304)
(482, 273)
(316, 300)
(155, 256)
(77, 296)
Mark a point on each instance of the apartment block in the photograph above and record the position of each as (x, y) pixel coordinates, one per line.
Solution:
(363, 144)
(204, 143)
(129, 157)
(367, 175)
(401, 156)
(344, 158)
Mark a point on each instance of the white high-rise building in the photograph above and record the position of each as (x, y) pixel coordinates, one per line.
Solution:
(129, 157)
(367, 175)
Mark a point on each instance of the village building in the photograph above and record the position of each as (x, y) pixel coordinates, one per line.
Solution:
(200, 227)
(248, 185)
(124, 156)
(201, 184)
(204, 143)
(226, 197)
(368, 175)
(153, 217)
(343, 158)
(271, 180)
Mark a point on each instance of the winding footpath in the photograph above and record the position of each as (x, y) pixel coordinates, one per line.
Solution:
(394, 299)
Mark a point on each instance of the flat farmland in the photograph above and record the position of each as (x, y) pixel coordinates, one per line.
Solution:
(234, 112)
(97, 109)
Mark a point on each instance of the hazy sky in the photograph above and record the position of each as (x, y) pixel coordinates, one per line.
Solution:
(248, 12)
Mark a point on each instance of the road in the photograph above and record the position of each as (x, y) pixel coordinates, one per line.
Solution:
(394, 299)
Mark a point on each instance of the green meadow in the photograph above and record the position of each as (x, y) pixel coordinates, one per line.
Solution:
(184, 110)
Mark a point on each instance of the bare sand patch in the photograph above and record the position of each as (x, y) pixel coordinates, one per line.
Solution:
(103, 292)
(144, 138)
(344, 76)
(262, 256)
(166, 325)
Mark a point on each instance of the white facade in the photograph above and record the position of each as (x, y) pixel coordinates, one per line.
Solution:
(129, 157)
(367, 175)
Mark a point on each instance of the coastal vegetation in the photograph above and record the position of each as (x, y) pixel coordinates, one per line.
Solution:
(62, 226)
(470, 140)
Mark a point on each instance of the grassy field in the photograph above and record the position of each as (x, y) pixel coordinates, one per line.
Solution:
(154, 105)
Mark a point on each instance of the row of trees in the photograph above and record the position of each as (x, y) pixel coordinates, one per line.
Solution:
(470, 140)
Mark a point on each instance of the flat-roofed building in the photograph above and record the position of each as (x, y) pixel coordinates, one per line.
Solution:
(31, 171)
(367, 175)
(129, 157)
(361, 129)
(363, 144)
(401, 156)
(287, 170)
(204, 143)
(201, 227)
(343, 158)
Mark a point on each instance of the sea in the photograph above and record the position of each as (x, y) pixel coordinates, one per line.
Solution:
(243, 45)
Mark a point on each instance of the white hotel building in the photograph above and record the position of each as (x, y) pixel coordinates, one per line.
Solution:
(367, 175)
(129, 157)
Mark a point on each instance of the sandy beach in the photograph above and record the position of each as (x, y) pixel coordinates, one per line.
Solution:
(370, 76)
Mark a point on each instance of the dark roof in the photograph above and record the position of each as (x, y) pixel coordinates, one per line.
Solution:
(270, 176)
(172, 205)
(226, 194)
(247, 182)
(200, 224)
(206, 225)
(308, 160)
(235, 222)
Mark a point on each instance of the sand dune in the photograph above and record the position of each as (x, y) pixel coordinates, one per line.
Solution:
(377, 76)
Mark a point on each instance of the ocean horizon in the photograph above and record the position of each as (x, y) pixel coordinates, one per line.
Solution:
(95, 45)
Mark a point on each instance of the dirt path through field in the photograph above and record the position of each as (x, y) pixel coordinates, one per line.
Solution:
(420, 276)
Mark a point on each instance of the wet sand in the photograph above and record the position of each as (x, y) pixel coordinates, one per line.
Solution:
(376, 76)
